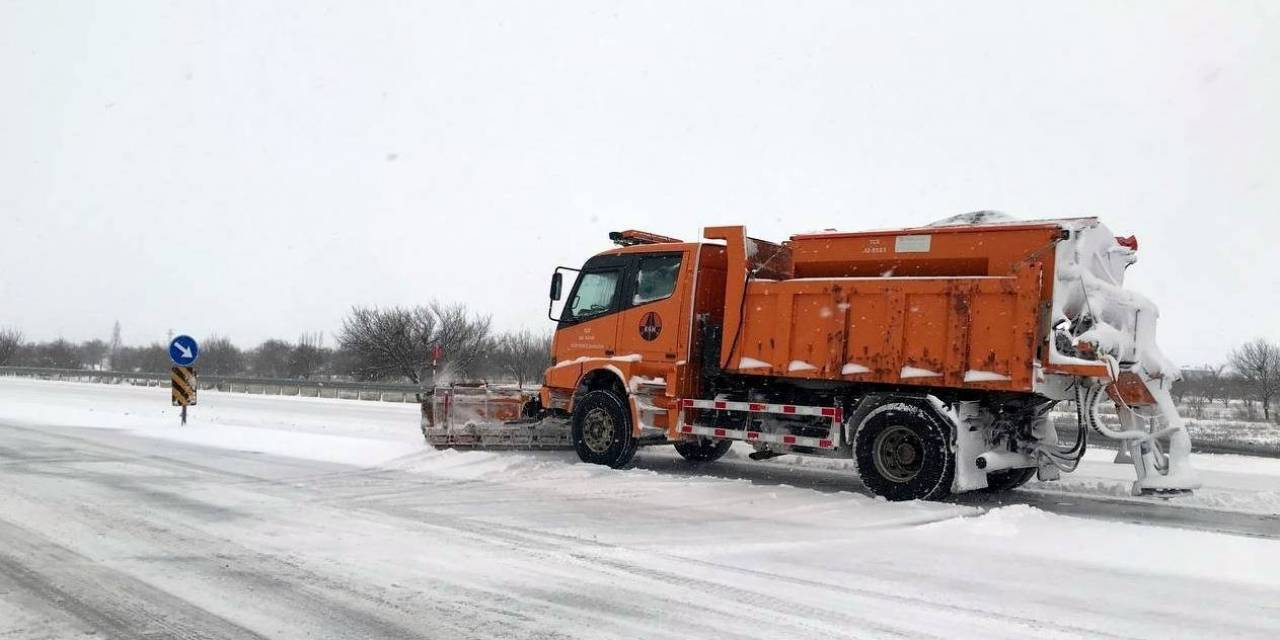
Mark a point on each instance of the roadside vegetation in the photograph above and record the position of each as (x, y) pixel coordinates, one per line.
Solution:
(395, 344)
(400, 344)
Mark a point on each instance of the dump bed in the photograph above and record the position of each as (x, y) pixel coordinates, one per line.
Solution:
(949, 306)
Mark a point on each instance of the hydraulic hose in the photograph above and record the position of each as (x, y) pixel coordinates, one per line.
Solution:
(1068, 459)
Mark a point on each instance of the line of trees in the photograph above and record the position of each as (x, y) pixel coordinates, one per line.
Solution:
(439, 342)
(374, 344)
(1251, 374)
(400, 344)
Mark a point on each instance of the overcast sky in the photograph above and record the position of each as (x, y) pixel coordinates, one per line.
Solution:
(255, 168)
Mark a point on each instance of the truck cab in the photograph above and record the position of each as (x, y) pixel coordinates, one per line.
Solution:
(629, 316)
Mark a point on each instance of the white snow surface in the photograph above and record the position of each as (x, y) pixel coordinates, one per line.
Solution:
(976, 375)
(916, 372)
(669, 551)
(851, 368)
(800, 365)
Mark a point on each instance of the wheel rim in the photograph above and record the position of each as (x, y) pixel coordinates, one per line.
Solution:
(898, 454)
(597, 430)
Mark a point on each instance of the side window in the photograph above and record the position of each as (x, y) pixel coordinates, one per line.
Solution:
(593, 295)
(656, 278)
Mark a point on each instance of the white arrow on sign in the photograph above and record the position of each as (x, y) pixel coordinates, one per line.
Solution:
(186, 353)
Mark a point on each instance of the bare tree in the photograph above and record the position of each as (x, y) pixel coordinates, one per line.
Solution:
(58, 354)
(271, 359)
(154, 357)
(463, 337)
(309, 356)
(1258, 364)
(10, 343)
(220, 357)
(93, 352)
(398, 342)
(523, 355)
(1215, 382)
(389, 343)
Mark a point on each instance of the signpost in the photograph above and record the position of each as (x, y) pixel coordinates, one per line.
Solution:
(183, 350)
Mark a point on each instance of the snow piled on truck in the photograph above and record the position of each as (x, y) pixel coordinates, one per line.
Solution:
(1092, 307)
(975, 218)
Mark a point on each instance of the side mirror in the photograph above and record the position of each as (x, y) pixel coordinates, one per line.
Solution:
(557, 282)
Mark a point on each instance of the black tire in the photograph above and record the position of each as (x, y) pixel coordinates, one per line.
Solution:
(602, 429)
(703, 449)
(903, 453)
(1008, 479)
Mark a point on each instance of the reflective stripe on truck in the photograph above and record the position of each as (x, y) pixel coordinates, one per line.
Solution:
(836, 414)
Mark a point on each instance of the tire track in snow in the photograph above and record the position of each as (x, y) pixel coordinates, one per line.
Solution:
(554, 547)
(161, 530)
(69, 586)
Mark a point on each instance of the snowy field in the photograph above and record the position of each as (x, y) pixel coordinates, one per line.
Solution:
(297, 517)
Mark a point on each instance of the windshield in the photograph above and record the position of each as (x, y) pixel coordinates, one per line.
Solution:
(593, 295)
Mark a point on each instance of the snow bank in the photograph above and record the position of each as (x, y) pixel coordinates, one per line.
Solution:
(331, 430)
(1241, 484)
(1025, 533)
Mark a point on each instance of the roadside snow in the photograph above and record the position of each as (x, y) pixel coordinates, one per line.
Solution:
(723, 543)
(347, 431)
(1244, 484)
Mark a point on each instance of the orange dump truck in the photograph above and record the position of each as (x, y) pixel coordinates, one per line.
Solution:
(930, 355)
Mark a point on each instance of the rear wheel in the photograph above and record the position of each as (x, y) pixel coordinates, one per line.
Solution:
(703, 449)
(1008, 479)
(903, 454)
(602, 429)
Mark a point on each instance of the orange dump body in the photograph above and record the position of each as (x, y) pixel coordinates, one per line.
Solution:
(946, 306)
(959, 307)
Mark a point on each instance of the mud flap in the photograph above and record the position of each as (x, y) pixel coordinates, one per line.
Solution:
(970, 443)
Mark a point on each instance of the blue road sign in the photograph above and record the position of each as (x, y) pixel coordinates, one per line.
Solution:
(184, 351)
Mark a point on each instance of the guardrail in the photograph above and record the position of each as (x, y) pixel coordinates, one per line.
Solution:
(386, 392)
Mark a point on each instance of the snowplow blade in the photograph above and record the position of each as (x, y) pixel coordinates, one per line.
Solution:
(485, 417)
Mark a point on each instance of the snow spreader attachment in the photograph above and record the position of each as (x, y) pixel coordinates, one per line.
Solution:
(482, 416)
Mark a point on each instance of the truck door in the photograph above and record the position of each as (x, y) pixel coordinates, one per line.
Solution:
(589, 322)
(654, 323)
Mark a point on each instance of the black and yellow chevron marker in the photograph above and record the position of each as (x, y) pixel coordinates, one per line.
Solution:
(184, 386)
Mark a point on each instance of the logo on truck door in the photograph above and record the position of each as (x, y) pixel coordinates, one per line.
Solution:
(650, 326)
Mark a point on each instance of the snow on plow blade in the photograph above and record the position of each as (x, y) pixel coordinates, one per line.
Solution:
(487, 417)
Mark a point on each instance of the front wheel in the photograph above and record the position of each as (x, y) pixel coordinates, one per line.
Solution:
(602, 429)
(703, 449)
(903, 454)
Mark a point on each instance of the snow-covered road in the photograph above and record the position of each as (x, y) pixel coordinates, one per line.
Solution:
(281, 518)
